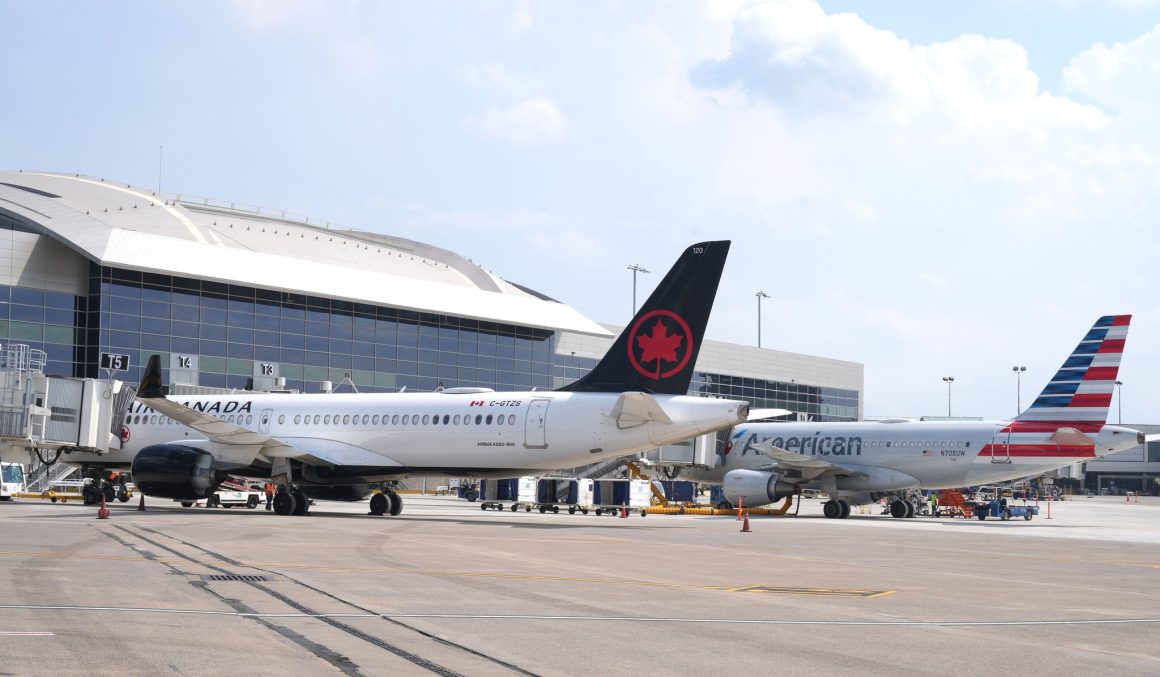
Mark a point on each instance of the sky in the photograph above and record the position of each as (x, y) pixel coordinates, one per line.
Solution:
(930, 189)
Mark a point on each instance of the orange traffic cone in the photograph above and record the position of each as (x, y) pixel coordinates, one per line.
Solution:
(103, 511)
(624, 510)
(141, 505)
(745, 524)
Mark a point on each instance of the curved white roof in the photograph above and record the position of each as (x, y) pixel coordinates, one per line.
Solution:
(131, 227)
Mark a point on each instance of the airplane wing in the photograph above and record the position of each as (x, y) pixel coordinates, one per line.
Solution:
(810, 467)
(759, 414)
(219, 430)
(152, 395)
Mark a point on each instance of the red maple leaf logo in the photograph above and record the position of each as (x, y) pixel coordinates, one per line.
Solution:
(660, 345)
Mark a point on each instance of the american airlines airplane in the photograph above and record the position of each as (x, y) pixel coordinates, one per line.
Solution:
(335, 445)
(861, 462)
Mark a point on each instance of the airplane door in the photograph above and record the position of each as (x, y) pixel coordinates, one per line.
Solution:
(1001, 448)
(535, 426)
(264, 421)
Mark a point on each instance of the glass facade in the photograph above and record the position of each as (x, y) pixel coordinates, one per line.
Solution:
(231, 334)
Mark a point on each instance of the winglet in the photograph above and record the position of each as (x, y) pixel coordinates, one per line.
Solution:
(151, 387)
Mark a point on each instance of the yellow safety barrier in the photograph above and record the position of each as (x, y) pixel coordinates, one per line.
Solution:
(704, 510)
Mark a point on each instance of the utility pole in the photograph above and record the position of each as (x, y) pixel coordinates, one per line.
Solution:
(1018, 388)
(949, 380)
(760, 295)
(635, 268)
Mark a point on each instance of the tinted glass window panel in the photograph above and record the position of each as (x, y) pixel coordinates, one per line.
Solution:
(292, 326)
(213, 348)
(213, 332)
(364, 349)
(240, 335)
(125, 339)
(241, 320)
(317, 328)
(60, 316)
(184, 346)
(124, 322)
(186, 313)
(293, 341)
(266, 353)
(317, 359)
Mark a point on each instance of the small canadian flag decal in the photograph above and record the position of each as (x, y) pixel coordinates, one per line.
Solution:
(476, 403)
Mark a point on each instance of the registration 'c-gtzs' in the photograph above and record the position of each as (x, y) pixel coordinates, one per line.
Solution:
(335, 445)
(864, 461)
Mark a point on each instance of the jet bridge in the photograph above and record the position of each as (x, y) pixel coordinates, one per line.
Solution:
(43, 416)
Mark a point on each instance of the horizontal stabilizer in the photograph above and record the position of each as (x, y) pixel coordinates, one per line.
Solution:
(761, 414)
(638, 407)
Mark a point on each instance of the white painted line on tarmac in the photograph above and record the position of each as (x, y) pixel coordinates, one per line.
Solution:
(27, 634)
(619, 619)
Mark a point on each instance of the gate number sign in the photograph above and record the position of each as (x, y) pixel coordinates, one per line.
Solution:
(116, 362)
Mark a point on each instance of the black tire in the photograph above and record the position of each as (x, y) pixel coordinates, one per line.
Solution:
(53, 499)
(1027, 515)
(832, 509)
(1006, 515)
(571, 510)
(981, 515)
(472, 495)
(252, 503)
(284, 503)
(514, 506)
(109, 492)
(123, 495)
(396, 504)
(555, 510)
(584, 511)
(898, 509)
(527, 508)
(543, 509)
(599, 512)
(483, 506)
(380, 504)
(911, 510)
(187, 504)
(845, 510)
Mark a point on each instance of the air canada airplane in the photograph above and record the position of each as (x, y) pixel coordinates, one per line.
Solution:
(861, 462)
(335, 445)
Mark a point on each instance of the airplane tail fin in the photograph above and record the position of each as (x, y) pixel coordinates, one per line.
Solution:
(1081, 391)
(657, 350)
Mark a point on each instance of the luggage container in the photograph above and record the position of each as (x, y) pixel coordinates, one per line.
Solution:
(611, 496)
(679, 491)
(493, 493)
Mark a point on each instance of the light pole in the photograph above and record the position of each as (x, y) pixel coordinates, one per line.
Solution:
(1119, 402)
(760, 295)
(636, 268)
(949, 380)
(1018, 388)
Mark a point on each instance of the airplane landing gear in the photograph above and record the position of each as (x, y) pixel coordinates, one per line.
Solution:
(284, 502)
(898, 509)
(386, 503)
(836, 509)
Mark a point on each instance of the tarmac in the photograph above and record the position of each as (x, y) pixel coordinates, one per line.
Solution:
(450, 589)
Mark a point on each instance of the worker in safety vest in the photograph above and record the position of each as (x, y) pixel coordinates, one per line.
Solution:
(934, 504)
(269, 488)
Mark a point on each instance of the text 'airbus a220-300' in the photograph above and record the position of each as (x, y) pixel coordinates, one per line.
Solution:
(336, 445)
(861, 462)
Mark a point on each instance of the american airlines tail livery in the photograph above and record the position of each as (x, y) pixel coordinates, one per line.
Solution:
(864, 461)
(335, 445)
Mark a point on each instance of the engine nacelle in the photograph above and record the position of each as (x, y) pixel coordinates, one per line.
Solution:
(175, 471)
(754, 487)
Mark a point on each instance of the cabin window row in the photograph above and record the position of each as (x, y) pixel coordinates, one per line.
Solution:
(402, 419)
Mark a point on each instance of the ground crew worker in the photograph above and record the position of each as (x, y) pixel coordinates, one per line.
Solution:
(269, 488)
(934, 504)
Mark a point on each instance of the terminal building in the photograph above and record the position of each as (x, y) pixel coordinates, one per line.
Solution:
(235, 297)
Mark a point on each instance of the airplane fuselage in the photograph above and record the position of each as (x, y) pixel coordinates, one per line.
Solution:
(474, 434)
(927, 454)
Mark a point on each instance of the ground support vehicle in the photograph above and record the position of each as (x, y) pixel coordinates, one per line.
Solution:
(1004, 510)
(229, 498)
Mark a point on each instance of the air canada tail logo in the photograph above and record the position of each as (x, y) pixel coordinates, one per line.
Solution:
(660, 344)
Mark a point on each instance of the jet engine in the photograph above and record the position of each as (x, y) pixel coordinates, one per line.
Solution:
(754, 487)
(175, 471)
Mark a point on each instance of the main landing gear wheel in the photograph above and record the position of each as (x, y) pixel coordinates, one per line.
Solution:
(832, 509)
(898, 508)
(911, 510)
(380, 504)
(396, 504)
(284, 503)
(845, 510)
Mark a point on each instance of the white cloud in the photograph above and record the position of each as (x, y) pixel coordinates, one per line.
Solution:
(525, 123)
(1121, 76)
(336, 28)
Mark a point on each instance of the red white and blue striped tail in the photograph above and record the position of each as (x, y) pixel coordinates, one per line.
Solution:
(1081, 391)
